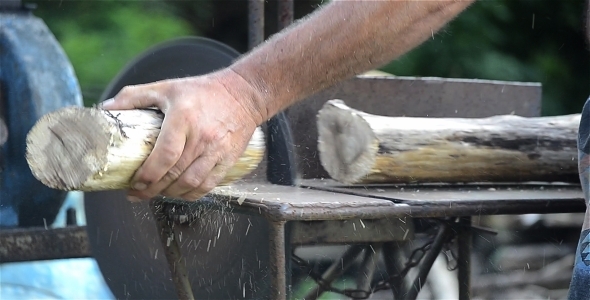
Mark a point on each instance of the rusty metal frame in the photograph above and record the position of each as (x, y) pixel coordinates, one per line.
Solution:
(169, 240)
(72, 241)
(289, 203)
(284, 205)
(465, 239)
(31, 244)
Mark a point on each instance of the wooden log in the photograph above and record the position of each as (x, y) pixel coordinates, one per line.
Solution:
(91, 149)
(356, 147)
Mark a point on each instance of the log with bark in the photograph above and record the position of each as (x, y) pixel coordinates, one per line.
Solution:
(356, 147)
(90, 149)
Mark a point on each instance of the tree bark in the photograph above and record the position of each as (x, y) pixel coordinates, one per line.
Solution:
(356, 147)
(91, 149)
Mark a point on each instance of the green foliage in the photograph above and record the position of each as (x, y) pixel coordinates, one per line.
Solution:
(100, 37)
(536, 40)
(516, 40)
(302, 288)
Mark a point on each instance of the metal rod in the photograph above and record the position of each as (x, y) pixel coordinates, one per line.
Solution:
(71, 219)
(393, 254)
(280, 166)
(444, 231)
(464, 261)
(172, 252)
(277, 251)
(31, 244)
(255, 23)
(336, 270)
(368, 267)
(285, 13)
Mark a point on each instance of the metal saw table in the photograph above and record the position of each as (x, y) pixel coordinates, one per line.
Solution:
(325, 200)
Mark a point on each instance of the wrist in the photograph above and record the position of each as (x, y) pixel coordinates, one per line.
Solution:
(245, 93)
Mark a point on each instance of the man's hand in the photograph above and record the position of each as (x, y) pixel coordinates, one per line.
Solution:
(207, 125)
(209, 119)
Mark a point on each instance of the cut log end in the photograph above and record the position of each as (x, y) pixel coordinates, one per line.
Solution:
(90, 149)
(357, 147)
(67, 147)
(347, 145)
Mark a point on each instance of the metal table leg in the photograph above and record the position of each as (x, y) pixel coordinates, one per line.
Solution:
(278, 262)
(285, 13)
(172, 252)
(255, 23)
(336, 270)
(393, 254)
(367, 270)
(442, 236)
(464, 260)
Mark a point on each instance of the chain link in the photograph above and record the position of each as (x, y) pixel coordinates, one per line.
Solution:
(451, 257)
(413, 260)
(326, 287)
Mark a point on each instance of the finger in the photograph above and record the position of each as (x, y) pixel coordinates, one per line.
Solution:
(192, 150)
(215, 177)
(166, 153)
(192, 177)
(133, 198)
(136, 96)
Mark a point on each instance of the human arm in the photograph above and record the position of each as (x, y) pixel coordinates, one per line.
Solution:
(343, 39)
(201, 138)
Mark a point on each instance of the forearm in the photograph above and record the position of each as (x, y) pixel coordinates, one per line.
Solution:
(341, 40)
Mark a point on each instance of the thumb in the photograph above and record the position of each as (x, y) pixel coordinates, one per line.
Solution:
(131, 97)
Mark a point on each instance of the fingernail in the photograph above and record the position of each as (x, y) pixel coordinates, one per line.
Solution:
(107, 103)
(139, 186)
(133, 199)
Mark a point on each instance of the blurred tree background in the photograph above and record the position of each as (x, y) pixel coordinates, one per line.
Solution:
(517, 40)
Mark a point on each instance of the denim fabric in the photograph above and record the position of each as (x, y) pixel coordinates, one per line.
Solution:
(580, 284)
(584, 133)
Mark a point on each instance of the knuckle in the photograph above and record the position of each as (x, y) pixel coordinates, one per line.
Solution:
(212, 134)
(173, 89)
(146, 177)
(189, 182)
(172, 174)
(126, 91)
(208, 185)
(170, 154)
(187, 117)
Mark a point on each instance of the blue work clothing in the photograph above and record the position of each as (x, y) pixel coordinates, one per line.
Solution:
(580, 284)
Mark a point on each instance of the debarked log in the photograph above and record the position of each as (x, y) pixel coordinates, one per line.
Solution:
(91, 149)
(357, 147)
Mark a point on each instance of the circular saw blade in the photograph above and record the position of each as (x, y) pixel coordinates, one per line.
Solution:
(225, 252)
